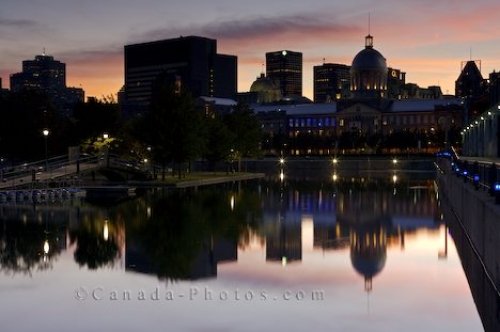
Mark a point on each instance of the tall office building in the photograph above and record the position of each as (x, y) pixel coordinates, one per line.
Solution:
(331, 82)
(42, 73)
(193, 61)
(285, 69)
(47, 75)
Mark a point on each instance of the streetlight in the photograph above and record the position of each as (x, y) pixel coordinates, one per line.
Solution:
(46, 133)
(105, 136)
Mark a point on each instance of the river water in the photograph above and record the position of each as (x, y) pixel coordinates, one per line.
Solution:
(331, 254)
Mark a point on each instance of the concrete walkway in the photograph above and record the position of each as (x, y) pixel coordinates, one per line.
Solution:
(483, 160)
(209, 180)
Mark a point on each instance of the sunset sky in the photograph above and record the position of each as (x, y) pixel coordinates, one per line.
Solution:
(428, 39)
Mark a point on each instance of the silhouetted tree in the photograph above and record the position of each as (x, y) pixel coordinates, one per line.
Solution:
(247, 130)
(174, 128)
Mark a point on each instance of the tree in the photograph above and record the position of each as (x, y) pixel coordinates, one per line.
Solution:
(95, 117)
(247, 132)
(219, 141)
(25, 115)
(174, 128)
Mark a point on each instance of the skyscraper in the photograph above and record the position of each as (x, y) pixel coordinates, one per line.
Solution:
(285, 69)
(191, 60)
(331, 82)
(42, 73)
(47, 75)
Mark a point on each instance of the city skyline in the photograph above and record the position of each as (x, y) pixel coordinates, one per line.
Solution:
(427, 40)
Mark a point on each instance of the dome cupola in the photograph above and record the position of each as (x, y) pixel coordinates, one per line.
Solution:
(369, 72)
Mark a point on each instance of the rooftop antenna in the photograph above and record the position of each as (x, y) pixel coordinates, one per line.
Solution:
(262, 68)
(369, 38)
(369, 24)
(43, 52)
(324, 60)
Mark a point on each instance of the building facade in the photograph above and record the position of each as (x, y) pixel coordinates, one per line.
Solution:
(331, 82)
(285, 69)
(192, 61)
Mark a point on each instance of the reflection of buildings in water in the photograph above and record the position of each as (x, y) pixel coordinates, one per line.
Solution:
(284, 242)
(367, 221)
(204, 265)
(368, 250)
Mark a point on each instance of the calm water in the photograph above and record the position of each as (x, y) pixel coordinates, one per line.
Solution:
(281, 255)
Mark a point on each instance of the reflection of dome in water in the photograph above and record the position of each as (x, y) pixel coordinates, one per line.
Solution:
(267, 91)
(369, 72)
(368, 253)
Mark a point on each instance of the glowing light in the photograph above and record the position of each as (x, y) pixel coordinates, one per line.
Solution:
(335, 161)
(284, 53)
(105, 136)
(284, 261)
(335, 177)
(105, 232)
(46, 132)
(394, 161)
(231, 202)
(282, 176)
(46, 247)
(282, 161)
(395, 178)
(148, 211)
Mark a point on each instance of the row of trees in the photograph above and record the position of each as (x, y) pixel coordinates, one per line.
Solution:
(178, 131)
(175, 130)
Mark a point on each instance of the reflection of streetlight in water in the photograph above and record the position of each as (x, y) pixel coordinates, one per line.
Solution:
(46, 249)
(105, 232)
(443, 254)
(231, 202)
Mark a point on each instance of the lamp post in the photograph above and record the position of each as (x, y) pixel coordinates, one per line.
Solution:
(46, 133)
(105, 136)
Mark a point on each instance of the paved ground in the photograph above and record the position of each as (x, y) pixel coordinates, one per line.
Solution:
(482, 160)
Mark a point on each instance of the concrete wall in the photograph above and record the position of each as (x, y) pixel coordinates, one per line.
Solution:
(479, 215)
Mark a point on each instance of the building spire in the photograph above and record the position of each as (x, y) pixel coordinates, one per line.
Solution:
(369, 23)
(369, 38)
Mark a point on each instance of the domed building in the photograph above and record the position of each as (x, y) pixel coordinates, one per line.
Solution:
(369, 73)
(267, 91)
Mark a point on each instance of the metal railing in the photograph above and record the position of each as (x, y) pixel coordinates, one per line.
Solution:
(483, 175)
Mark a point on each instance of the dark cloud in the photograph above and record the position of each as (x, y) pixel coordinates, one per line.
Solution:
(257, 27)
(110, 53)
(18, 23)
